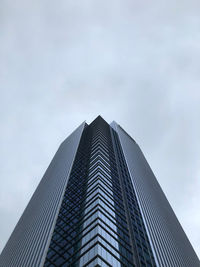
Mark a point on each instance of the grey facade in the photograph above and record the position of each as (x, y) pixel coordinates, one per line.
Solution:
(170, 244)
(98, 204)
(29, 240)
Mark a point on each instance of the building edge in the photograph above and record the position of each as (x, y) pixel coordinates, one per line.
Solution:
(169, 249)
(81, 127)
(32, 242)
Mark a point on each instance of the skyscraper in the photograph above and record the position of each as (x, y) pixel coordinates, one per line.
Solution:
(98, 204)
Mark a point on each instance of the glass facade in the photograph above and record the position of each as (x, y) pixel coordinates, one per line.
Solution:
(99, 222)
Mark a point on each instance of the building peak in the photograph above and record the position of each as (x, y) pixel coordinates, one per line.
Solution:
(98, 119)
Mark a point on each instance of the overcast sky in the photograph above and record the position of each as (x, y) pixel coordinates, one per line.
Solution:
(135, 62)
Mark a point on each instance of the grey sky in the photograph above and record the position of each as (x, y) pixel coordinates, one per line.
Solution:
(136, 62)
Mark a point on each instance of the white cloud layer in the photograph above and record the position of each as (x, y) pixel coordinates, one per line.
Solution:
(136, 62)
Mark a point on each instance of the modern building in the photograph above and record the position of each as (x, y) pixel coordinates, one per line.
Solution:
(98, 204)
